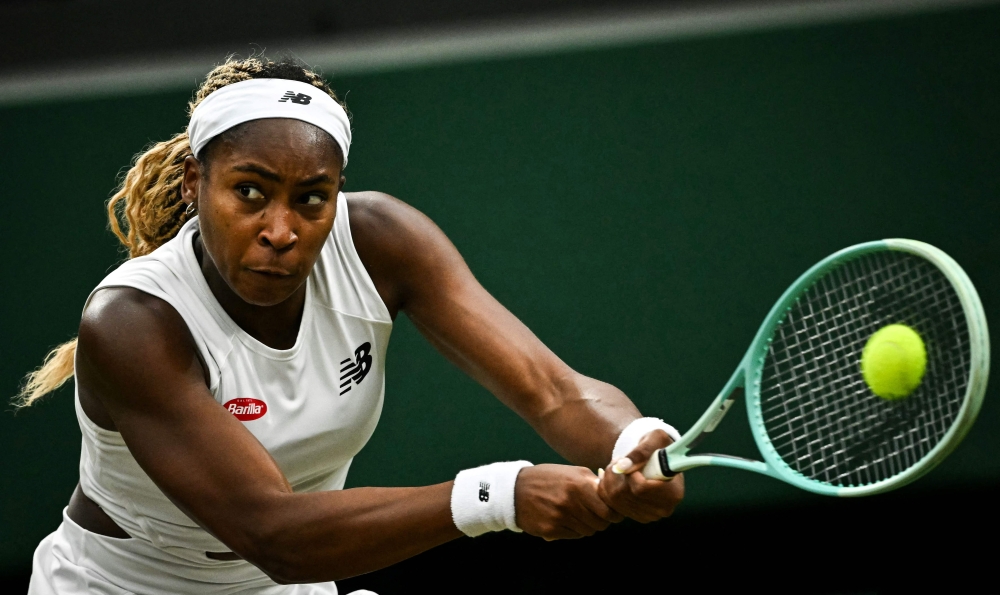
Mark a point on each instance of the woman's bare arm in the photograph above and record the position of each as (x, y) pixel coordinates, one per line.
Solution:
(419, 271)
(138, 358)
(138, 373)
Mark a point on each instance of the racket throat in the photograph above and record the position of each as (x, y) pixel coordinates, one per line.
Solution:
(668, 462)
(714, 417)
(683, 463)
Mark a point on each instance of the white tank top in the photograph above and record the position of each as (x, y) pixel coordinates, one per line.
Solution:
(313, 406)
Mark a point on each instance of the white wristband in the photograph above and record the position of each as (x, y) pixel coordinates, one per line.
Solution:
(482, 499)
(635, 431)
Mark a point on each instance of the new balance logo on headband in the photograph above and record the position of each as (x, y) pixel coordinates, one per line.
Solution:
(300, 98)
(484, 491)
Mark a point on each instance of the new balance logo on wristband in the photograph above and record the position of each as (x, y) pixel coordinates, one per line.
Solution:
(484, 491)
(299, 98)
(355, 370)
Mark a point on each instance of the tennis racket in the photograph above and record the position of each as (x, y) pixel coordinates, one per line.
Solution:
(816, 422)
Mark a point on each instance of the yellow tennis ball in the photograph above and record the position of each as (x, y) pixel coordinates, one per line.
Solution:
(893, 361)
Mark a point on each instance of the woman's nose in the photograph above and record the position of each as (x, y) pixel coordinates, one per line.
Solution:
(279, 228)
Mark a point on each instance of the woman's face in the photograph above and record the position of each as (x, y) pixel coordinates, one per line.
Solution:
(267, 198)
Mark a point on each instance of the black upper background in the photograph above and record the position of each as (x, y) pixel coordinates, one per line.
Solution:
(58, 34)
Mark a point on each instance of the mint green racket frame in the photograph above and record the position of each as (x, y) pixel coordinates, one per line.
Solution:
(747, 380)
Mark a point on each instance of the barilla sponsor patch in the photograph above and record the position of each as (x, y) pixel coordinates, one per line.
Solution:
(246, 409)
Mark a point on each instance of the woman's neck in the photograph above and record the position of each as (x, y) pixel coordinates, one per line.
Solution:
(276, 326)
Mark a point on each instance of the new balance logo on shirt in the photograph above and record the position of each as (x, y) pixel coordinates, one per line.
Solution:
(299, 98)
(354, 371)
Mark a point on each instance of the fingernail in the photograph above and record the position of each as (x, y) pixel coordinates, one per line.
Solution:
(600, 474)
(622, 465)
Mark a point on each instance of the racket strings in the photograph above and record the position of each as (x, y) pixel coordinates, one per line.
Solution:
(819, 413)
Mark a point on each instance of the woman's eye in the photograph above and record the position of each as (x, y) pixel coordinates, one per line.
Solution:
(313, 199)
(251, 192)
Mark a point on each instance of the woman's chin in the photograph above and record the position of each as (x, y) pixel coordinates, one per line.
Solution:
(269, 290)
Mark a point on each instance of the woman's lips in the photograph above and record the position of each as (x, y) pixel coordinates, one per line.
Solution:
(271, 272)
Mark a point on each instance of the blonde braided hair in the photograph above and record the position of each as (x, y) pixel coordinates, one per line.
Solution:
(146, 211)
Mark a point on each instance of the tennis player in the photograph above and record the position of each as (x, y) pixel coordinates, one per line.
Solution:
(227, 374)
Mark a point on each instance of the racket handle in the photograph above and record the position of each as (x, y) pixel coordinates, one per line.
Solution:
(657, 467)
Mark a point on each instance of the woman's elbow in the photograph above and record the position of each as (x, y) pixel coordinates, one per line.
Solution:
(285, 571)
(284, 562)
(265, 548)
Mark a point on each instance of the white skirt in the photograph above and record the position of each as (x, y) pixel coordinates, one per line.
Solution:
(73, 560)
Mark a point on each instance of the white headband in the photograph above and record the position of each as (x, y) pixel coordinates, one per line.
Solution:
(267, 98)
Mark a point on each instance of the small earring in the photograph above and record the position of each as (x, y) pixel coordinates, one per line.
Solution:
(191, 210)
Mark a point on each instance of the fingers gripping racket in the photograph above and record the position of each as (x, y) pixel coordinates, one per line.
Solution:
(815, 419)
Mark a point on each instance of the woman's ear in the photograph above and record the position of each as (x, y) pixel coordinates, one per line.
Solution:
(191, 180)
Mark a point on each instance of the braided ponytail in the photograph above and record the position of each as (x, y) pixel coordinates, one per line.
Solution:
(147, 211)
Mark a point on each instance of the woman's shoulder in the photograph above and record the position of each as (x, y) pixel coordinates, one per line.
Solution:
(387, 226)
(392, 239)
(371, 210)
(157, 293)
(118, 305)
(125, 320)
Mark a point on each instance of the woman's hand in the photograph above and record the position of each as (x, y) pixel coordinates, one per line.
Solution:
(630, 494)
(560, 502)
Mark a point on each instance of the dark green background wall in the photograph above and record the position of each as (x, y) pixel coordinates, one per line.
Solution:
(640, 208)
